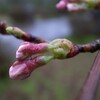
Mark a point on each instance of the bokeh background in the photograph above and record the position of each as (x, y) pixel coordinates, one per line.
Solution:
(60, 79)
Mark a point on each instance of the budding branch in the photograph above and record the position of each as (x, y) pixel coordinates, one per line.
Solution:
(57, 49)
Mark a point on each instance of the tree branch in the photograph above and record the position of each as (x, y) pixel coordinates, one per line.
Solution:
(89, 47)
(19, 34)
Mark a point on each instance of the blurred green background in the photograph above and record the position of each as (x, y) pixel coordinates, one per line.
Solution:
(60, 79)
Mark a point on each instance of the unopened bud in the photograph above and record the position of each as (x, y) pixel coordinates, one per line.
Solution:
(76, 6)
(23, 69)
(15, 31)
(27, 49)
(61, 5)
(60, 48)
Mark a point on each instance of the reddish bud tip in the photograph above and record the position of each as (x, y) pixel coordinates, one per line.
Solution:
(22, 69)
(28, 49)
(19, 71)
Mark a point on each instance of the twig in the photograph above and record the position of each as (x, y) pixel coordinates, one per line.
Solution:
(90, 87)
(21, 35)
(89, 47)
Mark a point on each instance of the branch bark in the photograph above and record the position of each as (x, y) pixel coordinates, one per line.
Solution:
(19, 34)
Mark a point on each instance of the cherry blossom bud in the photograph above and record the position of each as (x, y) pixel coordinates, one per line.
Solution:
(76, 7)
(61, 5)
(18, 33)
(23, 69)
(15, 31)
(60, 48)
(27, 49)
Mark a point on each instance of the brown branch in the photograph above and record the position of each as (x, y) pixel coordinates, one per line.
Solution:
(25, 36)
(89, 47)
(90, 87)
(3, 28)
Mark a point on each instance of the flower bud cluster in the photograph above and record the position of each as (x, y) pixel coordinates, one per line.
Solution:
(26, 63)
(76, 5)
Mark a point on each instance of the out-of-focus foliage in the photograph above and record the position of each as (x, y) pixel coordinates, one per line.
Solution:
(39, 5)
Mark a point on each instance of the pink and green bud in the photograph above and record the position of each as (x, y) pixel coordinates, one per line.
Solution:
(60, 48)
(62, 5)
(28, 49)
(22, 69)
(77, 5)
(18, 33)
(56, 49)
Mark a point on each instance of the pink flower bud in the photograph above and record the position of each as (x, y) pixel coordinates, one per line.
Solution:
(22, 69)
(27, 49)
(71, 5)
(76, 7)
(61, 5)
